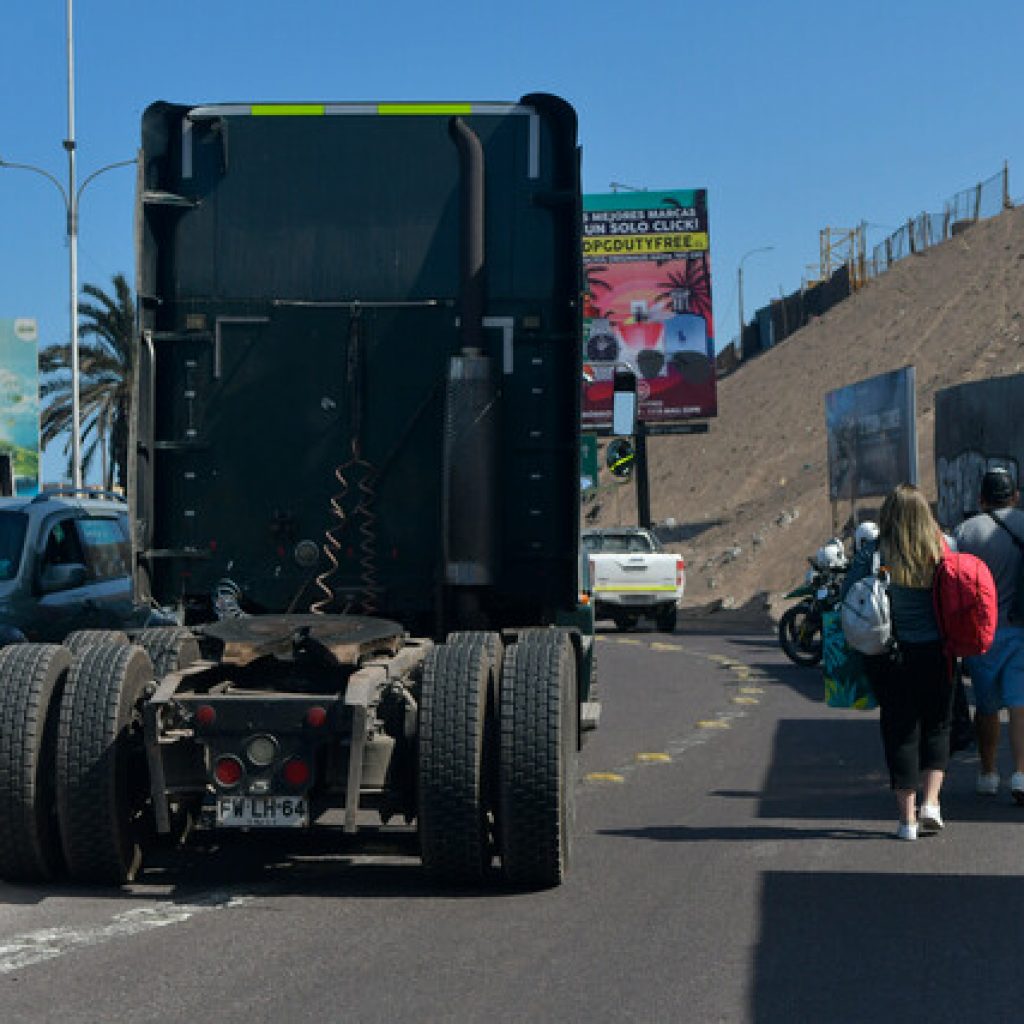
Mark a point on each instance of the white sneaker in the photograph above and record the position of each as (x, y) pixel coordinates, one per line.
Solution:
(907, 830)
(929, 819)
(988, 783)
(1017, 787)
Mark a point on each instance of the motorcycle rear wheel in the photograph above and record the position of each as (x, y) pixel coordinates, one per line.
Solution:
(800, 634)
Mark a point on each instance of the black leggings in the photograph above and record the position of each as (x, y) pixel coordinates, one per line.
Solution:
(915, 696)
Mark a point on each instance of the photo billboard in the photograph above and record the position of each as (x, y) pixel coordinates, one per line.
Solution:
(648, 304)
(872, 435)
(19, 404)
(975, 432)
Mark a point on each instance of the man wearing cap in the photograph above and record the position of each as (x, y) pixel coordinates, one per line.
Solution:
(998, 675)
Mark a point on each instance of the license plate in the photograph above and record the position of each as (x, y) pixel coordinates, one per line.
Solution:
(262, 812)
(637, 598)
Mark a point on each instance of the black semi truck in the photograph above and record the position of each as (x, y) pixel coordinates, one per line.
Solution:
(355, 481)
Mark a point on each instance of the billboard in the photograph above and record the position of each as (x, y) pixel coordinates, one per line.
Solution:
(648, 304)
(975, 431)
(19, 406)
(872, 435)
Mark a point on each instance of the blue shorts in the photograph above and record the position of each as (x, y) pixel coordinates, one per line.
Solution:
(997, 676)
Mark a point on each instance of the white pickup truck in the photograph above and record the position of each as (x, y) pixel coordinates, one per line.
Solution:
(631, 576)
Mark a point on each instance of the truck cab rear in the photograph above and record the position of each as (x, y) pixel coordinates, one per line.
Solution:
(355, 479)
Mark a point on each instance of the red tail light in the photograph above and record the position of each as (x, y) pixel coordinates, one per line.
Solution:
(228, 771)
(296, 772)
(315, 717)
(205, 715)
(680, 569)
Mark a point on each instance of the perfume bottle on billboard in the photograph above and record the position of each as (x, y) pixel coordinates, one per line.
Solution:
(686, 340)
(602, 345)
(644, 340)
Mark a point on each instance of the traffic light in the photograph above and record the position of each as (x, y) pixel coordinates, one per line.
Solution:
(619, 457)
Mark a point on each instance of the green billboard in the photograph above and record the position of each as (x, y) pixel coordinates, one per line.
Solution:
(19, 406)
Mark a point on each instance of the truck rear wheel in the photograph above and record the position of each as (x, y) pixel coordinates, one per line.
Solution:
(539, 740)
(456, 754)
(169, 648)
(665, 619)
(82, 638)
(102, 780)
(32, 677)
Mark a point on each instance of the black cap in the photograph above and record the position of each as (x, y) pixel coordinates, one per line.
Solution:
(997, 487)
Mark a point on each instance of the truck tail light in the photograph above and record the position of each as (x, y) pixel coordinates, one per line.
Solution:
(228, 771)
(205, 715)
(315, 717)
(296, 772)
(680, 569)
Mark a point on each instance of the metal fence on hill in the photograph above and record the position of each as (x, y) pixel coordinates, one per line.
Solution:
(986, 199)
(776, 321)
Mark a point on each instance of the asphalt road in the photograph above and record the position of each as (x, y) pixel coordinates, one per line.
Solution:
(734, 862)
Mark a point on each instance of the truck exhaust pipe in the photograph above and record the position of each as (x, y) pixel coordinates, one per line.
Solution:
(471, 421)
(471, 218)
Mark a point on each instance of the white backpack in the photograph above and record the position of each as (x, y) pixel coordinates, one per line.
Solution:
(865, 614)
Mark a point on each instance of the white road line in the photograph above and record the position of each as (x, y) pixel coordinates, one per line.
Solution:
(49, 943)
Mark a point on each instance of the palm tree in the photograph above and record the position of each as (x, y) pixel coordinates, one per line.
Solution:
(105, 361)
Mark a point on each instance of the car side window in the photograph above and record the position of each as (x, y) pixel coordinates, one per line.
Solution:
(106, 547)
(62, 546)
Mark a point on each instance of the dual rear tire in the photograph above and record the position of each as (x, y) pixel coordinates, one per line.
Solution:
(74, 787)
(497, 758)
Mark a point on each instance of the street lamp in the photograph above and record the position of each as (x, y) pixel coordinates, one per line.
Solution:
(739, 288)
(71, 201)
(71, 196)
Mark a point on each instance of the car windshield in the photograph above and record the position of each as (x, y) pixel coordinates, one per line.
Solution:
(12, 537)
(617, 543)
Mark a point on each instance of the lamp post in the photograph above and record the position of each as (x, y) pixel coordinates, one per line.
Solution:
(71, 196)
(739, 288)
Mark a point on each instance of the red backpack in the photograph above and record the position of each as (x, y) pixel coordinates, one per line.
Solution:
(966, 604)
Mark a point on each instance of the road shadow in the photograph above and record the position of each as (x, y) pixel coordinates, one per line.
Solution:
(855, 947)
(378, 862)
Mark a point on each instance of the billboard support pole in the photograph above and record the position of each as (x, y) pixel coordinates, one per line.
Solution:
(643, 483)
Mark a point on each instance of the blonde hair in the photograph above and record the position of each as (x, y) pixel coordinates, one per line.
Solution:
(910, 541)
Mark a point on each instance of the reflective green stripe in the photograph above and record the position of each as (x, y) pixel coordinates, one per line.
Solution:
(425, 108)
(631, 589)
(289, 109)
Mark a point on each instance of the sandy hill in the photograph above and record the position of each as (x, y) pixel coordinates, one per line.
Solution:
(750, 498)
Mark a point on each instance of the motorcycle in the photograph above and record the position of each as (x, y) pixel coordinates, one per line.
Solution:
(800, 628)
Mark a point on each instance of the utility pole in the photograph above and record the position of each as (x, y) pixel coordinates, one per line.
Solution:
(739, 290)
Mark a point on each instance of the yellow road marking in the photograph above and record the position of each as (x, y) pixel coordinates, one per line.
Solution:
(604, 777)
(745, 700)
(656, 758)
(627, 640)
(657, 646)
(712, 723)
(751, 689)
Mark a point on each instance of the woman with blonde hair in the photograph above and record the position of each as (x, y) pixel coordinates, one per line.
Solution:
(914, 685)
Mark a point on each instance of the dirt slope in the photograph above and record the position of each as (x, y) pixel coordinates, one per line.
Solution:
(750, 498)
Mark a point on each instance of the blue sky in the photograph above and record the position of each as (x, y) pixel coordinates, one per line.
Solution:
(794, 115)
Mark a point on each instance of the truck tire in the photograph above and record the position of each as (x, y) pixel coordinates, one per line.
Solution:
(625, 621)
(456, 756)
(102, 779)
(169, 648)
(32, 677)
(665, 619)
(492, 641)
(537, 772)
(82, 638)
